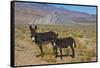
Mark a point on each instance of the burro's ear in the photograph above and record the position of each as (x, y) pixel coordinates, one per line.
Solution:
(35, 27)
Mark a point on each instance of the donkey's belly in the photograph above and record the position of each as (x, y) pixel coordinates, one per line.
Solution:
(63, 46)
(45, 42)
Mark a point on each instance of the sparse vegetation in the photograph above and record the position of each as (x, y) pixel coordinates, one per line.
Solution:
(27, 52)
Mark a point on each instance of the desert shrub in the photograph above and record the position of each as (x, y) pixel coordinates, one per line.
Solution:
(49, 58)
(91, 52)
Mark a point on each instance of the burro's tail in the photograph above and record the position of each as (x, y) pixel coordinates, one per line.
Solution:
(74, 43)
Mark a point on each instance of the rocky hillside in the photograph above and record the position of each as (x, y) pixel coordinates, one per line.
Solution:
(36, 13)
(60, 18)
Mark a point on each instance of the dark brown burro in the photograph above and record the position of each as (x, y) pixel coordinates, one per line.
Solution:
(41, 38)
(63, 43)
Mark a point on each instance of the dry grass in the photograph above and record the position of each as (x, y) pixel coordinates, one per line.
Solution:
(26, 52)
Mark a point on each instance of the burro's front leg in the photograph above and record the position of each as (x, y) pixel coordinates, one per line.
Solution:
(41, 49)
(56, 52)
(61, 52)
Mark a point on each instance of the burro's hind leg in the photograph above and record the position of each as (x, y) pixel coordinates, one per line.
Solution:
(73, 52)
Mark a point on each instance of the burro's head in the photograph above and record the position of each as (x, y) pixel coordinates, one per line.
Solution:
(33, 31)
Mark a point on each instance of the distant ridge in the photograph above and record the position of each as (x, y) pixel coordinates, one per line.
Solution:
(48, 14)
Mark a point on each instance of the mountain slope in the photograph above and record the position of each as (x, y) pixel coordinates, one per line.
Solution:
(48, 14)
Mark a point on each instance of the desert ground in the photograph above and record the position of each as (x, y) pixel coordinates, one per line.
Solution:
(27, 52)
